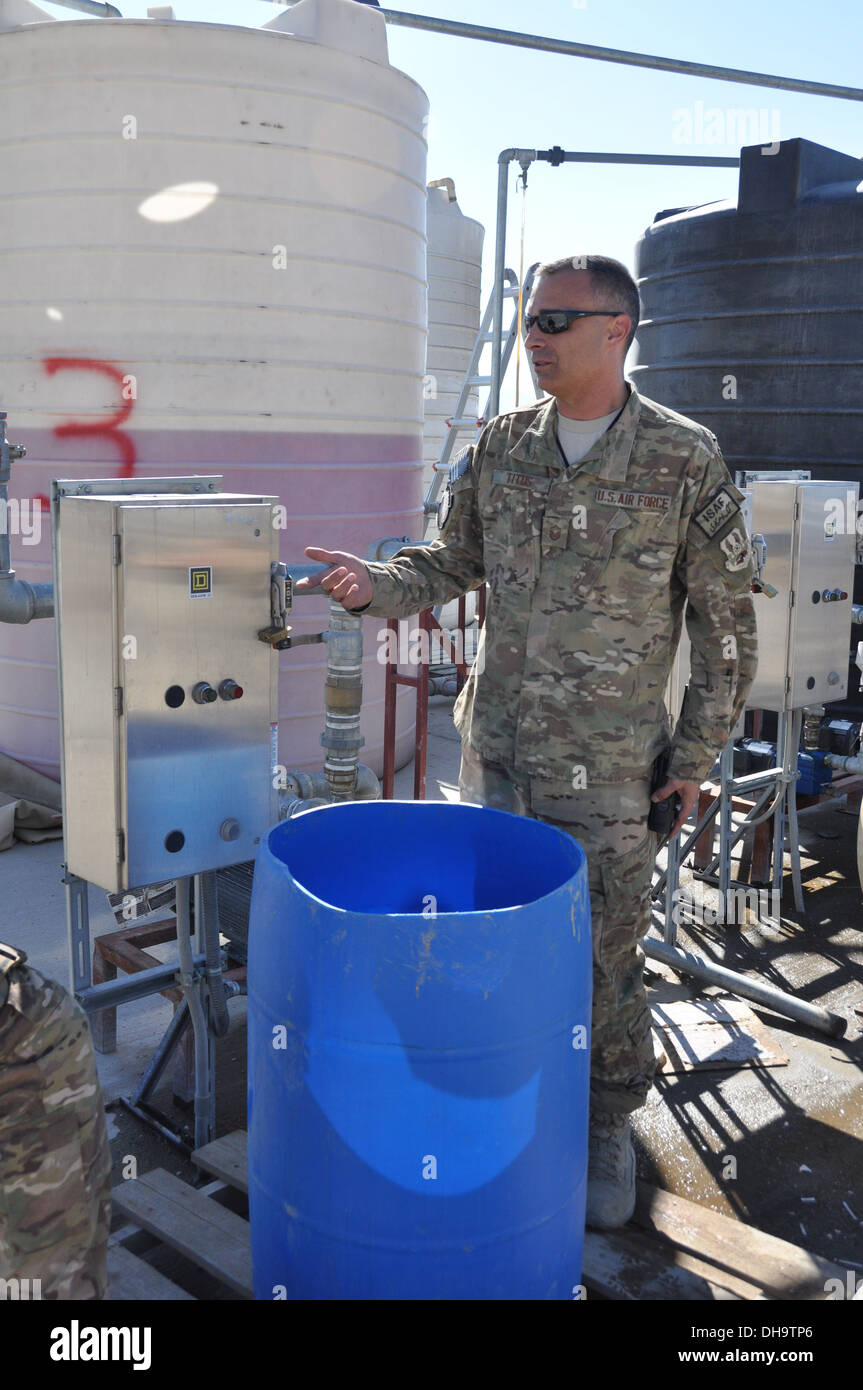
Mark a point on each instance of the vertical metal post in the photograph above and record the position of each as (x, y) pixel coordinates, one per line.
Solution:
(726, 804)
(78, 928)
(503, 164)
(791, 801)
(672, 884)
(427, 622)
(782, 742)
(461, 667)
(390, 690)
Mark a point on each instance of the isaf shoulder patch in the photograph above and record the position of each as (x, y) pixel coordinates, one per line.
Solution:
(722, 506)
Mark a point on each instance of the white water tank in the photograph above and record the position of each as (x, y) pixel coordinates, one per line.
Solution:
(454, 313)
(214, 260)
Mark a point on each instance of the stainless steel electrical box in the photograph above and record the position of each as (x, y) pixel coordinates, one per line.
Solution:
(804, 632)
(168, 698)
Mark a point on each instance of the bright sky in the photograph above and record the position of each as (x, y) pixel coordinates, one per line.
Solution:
(486, 97)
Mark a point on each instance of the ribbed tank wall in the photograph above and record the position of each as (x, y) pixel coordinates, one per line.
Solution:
(214, 260)
(753, 314)
(454, 312)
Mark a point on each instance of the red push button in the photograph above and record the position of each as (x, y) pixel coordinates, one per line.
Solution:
(229, 690)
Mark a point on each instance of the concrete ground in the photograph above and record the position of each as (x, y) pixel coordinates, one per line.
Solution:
(780, 1147)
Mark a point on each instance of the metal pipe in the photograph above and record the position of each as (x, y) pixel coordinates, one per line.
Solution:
(112, 993)
(556, 156)
(448, 184)
(308, 786)
(844, 764)
(793, 828)
(287, 809)
(812, 1014)
(20, 601)
(189, 981)
(206, 903)
(783, 749)
(726, 772)
(90, 7)
(343, 698)
(159, 1059)
(443, 685)
(385, 549)
(515, 39)
(503, 163)
(143, 1113)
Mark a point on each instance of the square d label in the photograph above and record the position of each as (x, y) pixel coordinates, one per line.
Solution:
(200, 581)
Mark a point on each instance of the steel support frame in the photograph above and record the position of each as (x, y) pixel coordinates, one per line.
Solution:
(781, 779)
(394, 678)
(112, 993)
(556, 156)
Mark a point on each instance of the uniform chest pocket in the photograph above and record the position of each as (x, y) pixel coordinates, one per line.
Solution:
(592, 545)
(628, 556)
(511, 521)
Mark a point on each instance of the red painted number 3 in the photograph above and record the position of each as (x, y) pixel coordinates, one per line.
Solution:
(108, 426)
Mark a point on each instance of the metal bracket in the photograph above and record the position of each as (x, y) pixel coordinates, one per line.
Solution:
(136, 487)
(78, 923)
(281, 602)
(8, 452)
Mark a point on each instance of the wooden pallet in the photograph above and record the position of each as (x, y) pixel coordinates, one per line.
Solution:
(188, 1220)
(672, 1250)
(676, 1249)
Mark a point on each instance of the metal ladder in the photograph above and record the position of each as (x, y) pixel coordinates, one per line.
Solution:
(459, 421)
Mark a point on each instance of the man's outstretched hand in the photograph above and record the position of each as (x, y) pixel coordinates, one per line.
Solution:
(688, 793)
(347, 580)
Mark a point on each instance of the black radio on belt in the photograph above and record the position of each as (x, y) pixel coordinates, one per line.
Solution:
(662, 814)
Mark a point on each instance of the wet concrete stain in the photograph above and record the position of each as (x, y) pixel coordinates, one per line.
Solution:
(795, 1133)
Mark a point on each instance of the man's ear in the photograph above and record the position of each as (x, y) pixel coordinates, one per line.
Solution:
(617, 332)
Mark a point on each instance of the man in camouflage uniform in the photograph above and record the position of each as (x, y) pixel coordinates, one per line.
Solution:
(590, 551)
(55, 1164)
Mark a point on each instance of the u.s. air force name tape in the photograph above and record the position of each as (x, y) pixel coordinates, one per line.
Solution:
(640, 501)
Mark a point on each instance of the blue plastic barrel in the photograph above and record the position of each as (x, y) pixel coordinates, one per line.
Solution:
(419, 1053)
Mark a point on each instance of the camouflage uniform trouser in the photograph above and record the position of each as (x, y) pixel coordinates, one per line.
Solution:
(610, 823)
(55, 1163)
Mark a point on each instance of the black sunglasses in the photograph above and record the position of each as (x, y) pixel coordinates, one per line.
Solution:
(559, 320)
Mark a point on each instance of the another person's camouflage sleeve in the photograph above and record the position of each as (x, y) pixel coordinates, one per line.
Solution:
(419, 576)
(715, 568)
(55, 1162)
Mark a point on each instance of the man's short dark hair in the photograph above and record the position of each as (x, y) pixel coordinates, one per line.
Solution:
(609, 279)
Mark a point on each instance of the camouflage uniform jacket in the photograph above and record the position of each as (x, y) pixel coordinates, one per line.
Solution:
(589, 568)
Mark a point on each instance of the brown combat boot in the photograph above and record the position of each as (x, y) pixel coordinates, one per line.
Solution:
(610, 1171)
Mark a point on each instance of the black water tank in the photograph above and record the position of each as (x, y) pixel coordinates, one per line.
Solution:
(753, 312)
(752, 320)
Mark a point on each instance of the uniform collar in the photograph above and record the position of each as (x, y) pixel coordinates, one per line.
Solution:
(609, 457)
